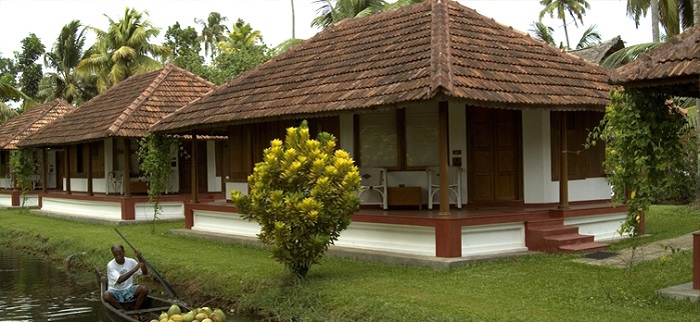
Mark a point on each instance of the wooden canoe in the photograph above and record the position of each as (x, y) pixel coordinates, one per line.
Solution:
(150, 310)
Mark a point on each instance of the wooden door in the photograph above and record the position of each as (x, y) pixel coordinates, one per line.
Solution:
(185, 167)
(494, 158)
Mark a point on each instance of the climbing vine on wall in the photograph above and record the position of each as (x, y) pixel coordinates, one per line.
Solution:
(642, 131)
(154, 157)
(23, 165)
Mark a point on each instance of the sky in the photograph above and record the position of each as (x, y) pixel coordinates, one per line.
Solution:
(273, 18)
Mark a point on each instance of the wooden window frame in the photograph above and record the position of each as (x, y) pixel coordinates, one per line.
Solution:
(583, 163)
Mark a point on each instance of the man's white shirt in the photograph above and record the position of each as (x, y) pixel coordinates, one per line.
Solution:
(114, 270)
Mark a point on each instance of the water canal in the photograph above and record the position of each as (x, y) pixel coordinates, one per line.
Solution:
(33, 289)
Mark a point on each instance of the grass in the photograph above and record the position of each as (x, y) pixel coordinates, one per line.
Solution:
(540, 287)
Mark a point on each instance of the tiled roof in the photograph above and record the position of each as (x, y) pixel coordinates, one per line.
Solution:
(674, 65)
(431, 50)
(29, 122)
(127, 109)
(596, 53)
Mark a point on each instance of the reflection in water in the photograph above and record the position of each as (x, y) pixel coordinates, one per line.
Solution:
(33, 289)
(36, 290)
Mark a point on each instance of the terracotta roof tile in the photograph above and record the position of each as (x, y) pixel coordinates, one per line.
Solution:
(437, 48)
(126, 110)
(31, 121)
(675, 65)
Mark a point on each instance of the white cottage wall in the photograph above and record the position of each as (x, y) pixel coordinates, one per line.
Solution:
(537, 166)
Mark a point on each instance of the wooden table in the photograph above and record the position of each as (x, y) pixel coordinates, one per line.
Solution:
(405, 196)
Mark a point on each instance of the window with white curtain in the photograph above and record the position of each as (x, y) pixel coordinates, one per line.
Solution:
(378, 139)
(422, 137)
(399, 139)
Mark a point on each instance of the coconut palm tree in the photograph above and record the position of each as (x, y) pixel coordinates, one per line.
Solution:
(9, 92)
(672, 15)
(589, 38)
(335, 11)
(543, 32)
(575, 8)
(243, 36)
(212, 32)
(64, 57)
(123, 50)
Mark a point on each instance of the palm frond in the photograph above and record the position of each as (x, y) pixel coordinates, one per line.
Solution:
(627, 54)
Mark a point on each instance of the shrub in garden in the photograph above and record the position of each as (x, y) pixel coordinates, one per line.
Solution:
(302, 194)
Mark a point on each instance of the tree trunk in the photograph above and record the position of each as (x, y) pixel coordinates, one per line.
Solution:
(293, 27)
(696, 12)
(566, 33)
(655, 21)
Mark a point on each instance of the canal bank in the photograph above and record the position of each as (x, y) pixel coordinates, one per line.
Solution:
(245, 279)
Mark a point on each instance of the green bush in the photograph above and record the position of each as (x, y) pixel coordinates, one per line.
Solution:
(302, 195)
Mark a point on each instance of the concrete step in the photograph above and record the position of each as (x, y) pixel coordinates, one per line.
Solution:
(589, 247)
(569, 239)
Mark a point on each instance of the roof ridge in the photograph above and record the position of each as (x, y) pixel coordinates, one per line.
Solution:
(139, 100)
(441, 52)
(28, 125)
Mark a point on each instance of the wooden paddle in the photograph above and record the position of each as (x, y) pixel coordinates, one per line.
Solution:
(153, 270)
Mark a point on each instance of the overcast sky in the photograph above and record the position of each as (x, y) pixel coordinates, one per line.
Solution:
(273, 18)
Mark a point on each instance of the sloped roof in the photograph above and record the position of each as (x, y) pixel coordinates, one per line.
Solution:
(127, 109)
(673, 67)
(596, 53)
(434, 49)
(29, 122)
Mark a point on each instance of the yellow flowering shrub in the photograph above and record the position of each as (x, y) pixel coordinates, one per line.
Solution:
(302, 194)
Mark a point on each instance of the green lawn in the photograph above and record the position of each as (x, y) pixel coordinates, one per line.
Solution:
(527, 288)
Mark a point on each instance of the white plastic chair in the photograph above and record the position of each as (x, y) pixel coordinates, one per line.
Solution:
(374, 179)
(115, 182)
(454, 183)
(36, 182)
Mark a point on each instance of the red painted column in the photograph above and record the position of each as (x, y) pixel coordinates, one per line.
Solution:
(128, 208)
(189, 216)
(448, 239)
(696, 261)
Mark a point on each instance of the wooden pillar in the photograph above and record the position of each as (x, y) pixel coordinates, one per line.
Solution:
(444, 159)
(127, 168)
(44, 181)
(195, 178)
(563, 163)
(696, 261)
(89, 169)
(67, 169)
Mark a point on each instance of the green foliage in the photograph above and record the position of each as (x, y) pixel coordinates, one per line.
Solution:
(154, 158)
(32, 49)
(185, 46)
(644, 150)
(212, 32)
(233, 63)
(64, 57)
(124, 49)
(302, 196)
(335, 11)
(23, 165)
(8, 82)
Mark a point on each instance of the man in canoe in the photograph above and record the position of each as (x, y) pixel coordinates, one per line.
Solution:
(120, 279)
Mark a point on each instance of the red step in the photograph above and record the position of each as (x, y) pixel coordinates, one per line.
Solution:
(552, 236)
(591, 247)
